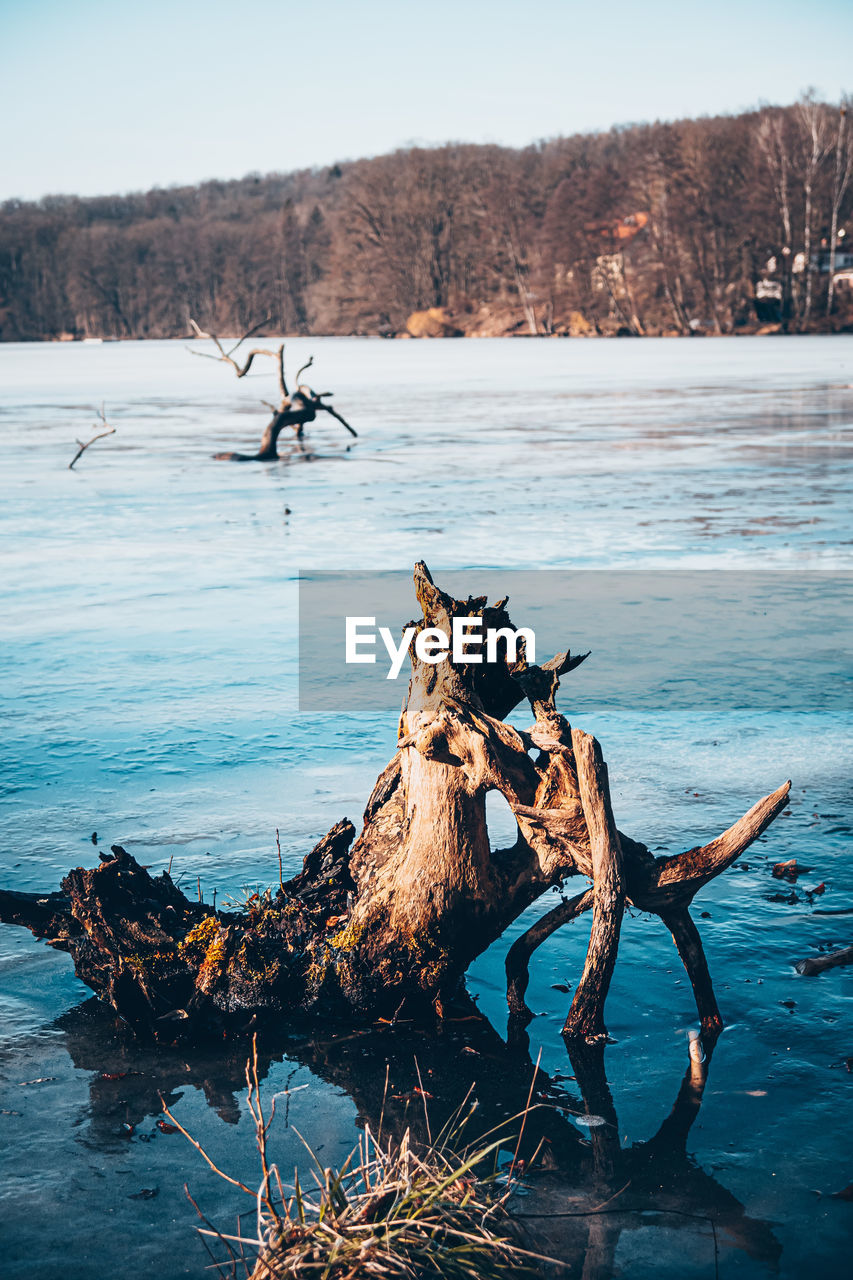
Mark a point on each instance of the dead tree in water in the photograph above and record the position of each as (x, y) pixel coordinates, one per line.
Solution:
(392, 921)
(110, 431)
(293, 410)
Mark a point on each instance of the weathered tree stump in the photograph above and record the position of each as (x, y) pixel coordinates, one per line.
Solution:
(389, 922)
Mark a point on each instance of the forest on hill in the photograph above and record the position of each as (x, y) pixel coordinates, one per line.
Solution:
(713, 225)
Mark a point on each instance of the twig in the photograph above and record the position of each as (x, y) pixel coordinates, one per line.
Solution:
(524, 1116)
(384, 1100)
(83, 447)
(235, 1182)
(212, 1231)
(280, 868)
(249, 333)
(424, 1101)
(228, 356)
(327, 408)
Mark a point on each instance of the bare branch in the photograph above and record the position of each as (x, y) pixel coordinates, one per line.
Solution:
(282, 381)
(249, 333)
(228, 358)
(678, 879)
(327, 408)
(235, 1182)
(689, 944)
(518, 956)
(290, 412)
(586, 1016)
(83, 447)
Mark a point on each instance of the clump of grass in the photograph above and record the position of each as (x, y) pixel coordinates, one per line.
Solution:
(249, 898)
(395, 1210)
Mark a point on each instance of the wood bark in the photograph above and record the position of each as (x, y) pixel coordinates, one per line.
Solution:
(387, 923)
(586, 1015)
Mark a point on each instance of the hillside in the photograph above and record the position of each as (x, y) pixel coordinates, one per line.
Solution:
(694, 226)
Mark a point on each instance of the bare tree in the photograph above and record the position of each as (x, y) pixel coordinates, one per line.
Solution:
(841, 180)
(478, 229)
(293, 410)
(772, 143)
(654, 189)
(815, 147)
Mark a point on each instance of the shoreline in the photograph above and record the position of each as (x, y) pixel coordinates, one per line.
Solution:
(764, 331)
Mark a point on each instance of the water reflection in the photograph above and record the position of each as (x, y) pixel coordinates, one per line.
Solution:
(585, 1192)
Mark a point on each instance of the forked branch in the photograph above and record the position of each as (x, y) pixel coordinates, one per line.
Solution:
(679, 879)
(110, 431)
(228, 356)
(327, 408)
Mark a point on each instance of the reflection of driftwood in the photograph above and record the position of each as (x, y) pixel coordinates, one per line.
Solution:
(293, 410)
(584, 1189)
(817, 964)
(110, 431)
(390, 925)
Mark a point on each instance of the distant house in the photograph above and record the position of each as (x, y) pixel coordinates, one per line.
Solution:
(843, 259)
(843, 279)
(621, 230)
(768, 301)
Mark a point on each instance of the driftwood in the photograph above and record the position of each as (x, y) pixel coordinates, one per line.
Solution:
(110, 431)
(387, 924)
(293, 410)
(817, 964)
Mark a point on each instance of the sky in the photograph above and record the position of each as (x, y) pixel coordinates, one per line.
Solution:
(98, 97)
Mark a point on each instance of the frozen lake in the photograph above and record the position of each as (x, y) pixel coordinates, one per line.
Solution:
(148, 668)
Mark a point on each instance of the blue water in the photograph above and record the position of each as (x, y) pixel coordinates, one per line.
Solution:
(150, 695)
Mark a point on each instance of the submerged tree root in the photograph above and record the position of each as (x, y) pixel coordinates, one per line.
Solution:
(387, 924)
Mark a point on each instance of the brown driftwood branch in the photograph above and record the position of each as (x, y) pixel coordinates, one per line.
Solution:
(228, 356)
(686, 937)
(110, 431)
(818, 964)
(299, 372)
(518, 957)
(680, 878)
(586, 1015)
(327, 408)
(386, 924)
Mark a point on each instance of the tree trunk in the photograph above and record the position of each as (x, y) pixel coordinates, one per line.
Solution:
(392, 922)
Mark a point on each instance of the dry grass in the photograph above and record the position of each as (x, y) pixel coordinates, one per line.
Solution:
(395, 1209)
